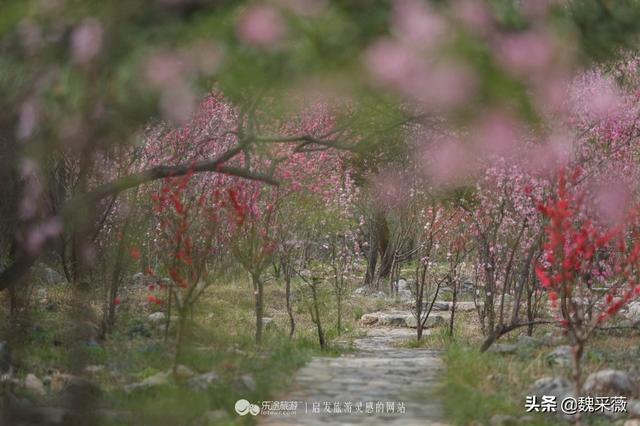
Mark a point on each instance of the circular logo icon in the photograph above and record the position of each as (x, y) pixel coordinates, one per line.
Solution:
(243, 406)
(254, 409)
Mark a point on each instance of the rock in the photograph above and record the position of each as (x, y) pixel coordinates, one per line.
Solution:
(59, 381)
(360, 291)
(34, 385)
(526, 341)
(245, 382)
(93, 369)
(551, 339)
(392, 319)
(379, 295)
(204, 382)
(405, 295)
(51, 306)
(47, 275)
(433, 321)
(633, 312)
(633, 408)
(503, 420)
(441, 306)
(466, 306)
(139, 331)
(555, 386)
(156, 317)
(138, 278)
(369, 319)
(158, 379)
(608, 383)
(183, 372)
(504, 348)
(268, 324)
(401, 284)
(561, 356)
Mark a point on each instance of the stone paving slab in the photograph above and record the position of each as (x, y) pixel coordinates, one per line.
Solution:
(379, 371)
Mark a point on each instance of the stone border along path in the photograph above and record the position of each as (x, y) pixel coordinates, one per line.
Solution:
(378, 371)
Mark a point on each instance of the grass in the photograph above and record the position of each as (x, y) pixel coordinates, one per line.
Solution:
(220, 339)
(476, 386)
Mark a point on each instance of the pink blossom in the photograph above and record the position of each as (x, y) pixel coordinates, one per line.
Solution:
(447, 162)
(496, 134)
(611, 199)
(178, 104)
(527, 52)
(416, 23)
(261, 26)
(86, 40)
(165, 69)
(474, 14)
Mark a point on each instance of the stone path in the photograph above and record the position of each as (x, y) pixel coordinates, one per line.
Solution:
(377, 372)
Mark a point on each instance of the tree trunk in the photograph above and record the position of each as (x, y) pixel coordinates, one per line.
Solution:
(316, 316)
(182, 318)
(292, 323)
(578, 349)
(454, 299)
(372, 261)
(257, 288)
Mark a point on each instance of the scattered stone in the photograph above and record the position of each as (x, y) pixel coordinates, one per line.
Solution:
(405, 295)
(633, 408)
(158, 379)
(245, 383)
(433, 321)
(633, 312)
(503, 420)
(138, 278)
(47, 275)
(34, 385)
(556, 386)
(93, 369)
(608, 383)
(399, 319)
(525, 340)
(561, 356)
(183, 372)
(369, 319)
(379, 295)
(268, 324)
(551, 339)
(59, 381)
(401, 284)
(139, 330)
(156, 317)
(360, 291)
(441, 306)
(504, 348)
(204, 382)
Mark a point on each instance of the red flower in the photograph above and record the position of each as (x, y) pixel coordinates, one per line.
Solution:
(134, 252)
